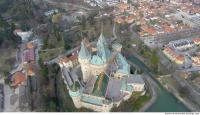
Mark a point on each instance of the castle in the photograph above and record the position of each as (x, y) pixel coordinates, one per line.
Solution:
(102, 78)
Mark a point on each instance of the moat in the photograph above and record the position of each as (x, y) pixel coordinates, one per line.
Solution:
(165, 102)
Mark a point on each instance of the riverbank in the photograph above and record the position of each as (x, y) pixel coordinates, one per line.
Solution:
(172, 89)
(165, 101)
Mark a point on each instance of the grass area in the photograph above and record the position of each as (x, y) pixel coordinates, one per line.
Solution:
(52, 53)
(141, 101)
(100, 86)
(2, 1)
(133, 104)
(127, 45)
(7, 59)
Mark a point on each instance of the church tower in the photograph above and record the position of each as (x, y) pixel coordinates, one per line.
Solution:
(84, 58)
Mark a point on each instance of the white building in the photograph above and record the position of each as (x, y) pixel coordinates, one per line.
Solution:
(25, 36)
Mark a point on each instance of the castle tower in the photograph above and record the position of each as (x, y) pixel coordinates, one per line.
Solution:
(102, 49)
(75, 93)
(123, 66)
(84, 57)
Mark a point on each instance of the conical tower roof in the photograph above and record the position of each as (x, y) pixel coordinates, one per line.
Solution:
(123, 65)
(102, 40)
(102, 50)
(75, 86)
(84, 53)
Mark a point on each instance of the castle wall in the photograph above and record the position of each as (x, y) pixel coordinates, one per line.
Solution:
(103, 108)
(77, 101)
(127, 96)
(138, 87)
(97, 69)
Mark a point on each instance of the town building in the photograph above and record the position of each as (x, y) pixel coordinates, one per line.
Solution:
(18, 79)
(178, 59)
(189, 17)
(24, 35)
(196, 41)
(195, 59)
(30, 70)
(69, 62)
(184, 74)
(182, 44)
(28, 56)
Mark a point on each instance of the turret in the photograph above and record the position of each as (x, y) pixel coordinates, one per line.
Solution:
(117, 47)
(84, 54)
(75, 93)
(102, 40)
(123, 66)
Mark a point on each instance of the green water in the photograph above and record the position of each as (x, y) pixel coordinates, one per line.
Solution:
(165, 102)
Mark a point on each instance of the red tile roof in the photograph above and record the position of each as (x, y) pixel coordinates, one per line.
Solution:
(30, 70)
(18, 78)
(30, 45)
(64, 60)
(29, 55)
(73, 57)
(196, 40)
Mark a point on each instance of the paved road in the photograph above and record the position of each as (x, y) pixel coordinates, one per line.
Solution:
(192, 69)
(114, 31)
(56, 59)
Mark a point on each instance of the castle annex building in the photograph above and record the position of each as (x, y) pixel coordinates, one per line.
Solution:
(101, 78)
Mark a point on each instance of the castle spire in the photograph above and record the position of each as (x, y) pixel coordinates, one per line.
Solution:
(102, 49)
(101, 39)
(101, 27)
(84, 53)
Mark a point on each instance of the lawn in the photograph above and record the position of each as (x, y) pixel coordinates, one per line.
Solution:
(102, 84)
(133, 104)
(52, 53)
